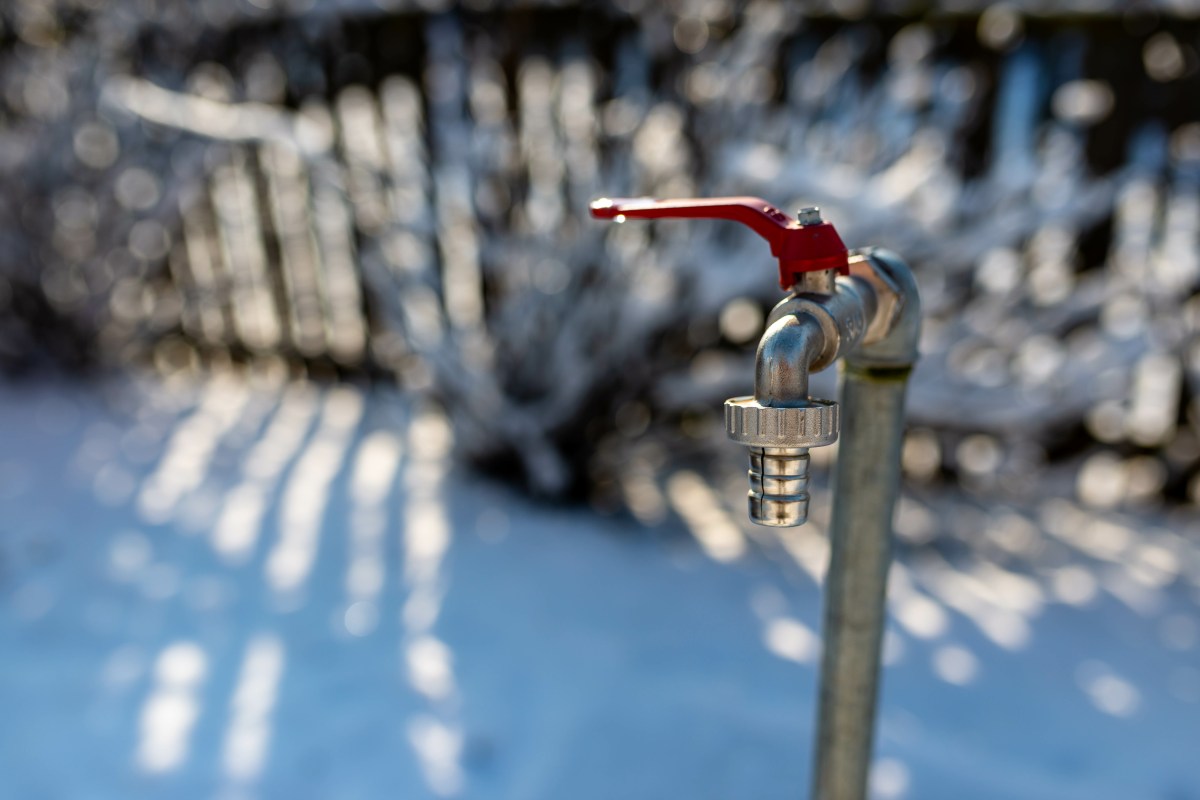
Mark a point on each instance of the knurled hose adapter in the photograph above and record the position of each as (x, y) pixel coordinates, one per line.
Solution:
(779, 438)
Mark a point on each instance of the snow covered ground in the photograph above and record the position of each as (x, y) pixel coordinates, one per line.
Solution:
(260, 589)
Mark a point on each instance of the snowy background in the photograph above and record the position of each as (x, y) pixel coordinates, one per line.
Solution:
(345, 457)
(282, 590)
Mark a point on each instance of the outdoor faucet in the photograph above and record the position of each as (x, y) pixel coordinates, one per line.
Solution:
(860, 307)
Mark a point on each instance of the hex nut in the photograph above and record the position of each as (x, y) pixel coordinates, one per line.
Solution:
(814, 424)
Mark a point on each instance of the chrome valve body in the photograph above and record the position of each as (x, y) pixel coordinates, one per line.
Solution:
(825, 317)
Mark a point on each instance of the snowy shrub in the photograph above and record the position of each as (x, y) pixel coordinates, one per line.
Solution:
(405, 194)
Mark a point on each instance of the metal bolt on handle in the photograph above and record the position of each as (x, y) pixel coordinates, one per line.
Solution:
(810, 215)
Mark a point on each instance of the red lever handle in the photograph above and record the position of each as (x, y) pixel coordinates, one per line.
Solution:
(799, 247)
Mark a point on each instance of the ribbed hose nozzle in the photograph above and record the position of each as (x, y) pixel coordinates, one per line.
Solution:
(778, 494)
(779, 438)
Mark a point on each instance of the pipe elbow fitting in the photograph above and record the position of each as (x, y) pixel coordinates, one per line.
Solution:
(896, 345)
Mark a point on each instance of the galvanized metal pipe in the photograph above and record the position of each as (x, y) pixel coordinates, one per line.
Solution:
(866, 484)
(865, 488)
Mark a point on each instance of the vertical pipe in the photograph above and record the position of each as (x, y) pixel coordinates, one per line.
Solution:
(865, 488)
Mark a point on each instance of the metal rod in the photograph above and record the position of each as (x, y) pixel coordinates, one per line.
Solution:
(866, 484)
(865, 488)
